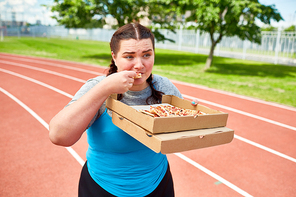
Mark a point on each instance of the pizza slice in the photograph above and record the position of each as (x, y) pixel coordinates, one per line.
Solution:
(169, 111)
(138, 76)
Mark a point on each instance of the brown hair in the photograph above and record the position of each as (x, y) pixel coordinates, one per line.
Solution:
(138, 32)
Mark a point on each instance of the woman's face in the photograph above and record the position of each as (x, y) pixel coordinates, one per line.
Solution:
(138, 56)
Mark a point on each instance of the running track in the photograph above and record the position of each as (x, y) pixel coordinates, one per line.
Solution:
(260, 161)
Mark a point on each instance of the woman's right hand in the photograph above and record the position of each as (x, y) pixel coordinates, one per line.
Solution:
(121, 82)
(67, 126)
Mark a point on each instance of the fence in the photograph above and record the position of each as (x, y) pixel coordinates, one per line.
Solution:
(276, 47)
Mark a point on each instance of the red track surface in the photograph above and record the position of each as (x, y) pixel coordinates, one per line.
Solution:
(260, 161)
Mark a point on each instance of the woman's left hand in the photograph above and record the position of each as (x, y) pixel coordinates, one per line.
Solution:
(194, 102)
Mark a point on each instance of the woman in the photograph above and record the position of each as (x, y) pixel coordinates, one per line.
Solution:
(117, 164)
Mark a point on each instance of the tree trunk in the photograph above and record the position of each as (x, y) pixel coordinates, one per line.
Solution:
(210, 57)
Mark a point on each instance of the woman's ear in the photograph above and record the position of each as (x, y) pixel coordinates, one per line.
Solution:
(113, 56)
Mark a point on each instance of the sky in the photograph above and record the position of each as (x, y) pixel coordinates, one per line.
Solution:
(287, 9)
(31, 11)
(27, 10)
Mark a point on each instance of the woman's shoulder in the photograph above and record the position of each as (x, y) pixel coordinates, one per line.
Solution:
(165, 85)
(88, 85)
(93, 81)
(96, 79)
(161, 81)
(158, 79)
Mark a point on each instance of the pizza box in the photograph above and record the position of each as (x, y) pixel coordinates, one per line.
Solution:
(211, 119)
(167, 143)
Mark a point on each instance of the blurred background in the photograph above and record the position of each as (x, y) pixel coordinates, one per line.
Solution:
(277, 44)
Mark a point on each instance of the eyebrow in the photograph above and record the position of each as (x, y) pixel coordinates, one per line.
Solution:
(135, 52)
(147, 51)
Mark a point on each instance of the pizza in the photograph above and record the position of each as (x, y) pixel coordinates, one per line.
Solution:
(138, 76)
(170, 111)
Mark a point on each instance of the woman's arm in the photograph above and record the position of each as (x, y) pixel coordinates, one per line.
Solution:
(68, 125)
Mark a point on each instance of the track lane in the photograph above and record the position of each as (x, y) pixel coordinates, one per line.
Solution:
(78, 73)
(255, 171)
(93, 69)
(33, 103)
(260, 108)
(15, 80)
(191, 181)
(268, 111)
(53, 80)
(244, 121)
(263, 133)
(30, 164)
(230, 127)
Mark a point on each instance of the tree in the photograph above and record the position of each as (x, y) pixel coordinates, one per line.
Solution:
(92, 13)
(291, 28)
(78, 13)
(229, 18)
(164, 14)
(269, 28)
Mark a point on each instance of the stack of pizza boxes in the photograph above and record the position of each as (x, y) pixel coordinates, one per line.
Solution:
(172, 134)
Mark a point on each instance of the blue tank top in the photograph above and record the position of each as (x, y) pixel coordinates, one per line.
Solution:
(119, 163)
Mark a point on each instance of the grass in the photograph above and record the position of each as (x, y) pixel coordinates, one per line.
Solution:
(74, 50)
(276, 83)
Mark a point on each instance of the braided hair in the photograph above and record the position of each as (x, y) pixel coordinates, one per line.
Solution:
(137, 32)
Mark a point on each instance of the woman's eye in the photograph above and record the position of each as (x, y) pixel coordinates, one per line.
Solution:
(147, 55)
(129, 57)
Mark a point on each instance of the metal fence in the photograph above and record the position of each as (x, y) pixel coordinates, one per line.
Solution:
(59, 32)
(276, 47)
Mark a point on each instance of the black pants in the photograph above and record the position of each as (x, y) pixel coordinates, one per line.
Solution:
(89, 188)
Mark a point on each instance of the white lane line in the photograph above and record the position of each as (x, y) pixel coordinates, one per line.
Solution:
(174, 81)
(265, 148)
(236, 95)
(55, 64)
(187, 84)
(256, 117)
(37, 117)
(189, 97)
(81, 161)
(251, 115)
(243, 113)
(43, 70)
(182, 156)
(212, 174)
(37, 82)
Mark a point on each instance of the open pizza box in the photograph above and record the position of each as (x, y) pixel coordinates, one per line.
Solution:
(172, 134)
(167, 143)
(211, 119)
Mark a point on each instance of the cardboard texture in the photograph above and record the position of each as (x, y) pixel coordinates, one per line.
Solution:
(175, 142)
(212, 119)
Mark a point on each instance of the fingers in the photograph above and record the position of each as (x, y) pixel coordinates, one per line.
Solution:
(130, 78)
(122, 81)
(130, 84)
(194, 102)
(131, 74)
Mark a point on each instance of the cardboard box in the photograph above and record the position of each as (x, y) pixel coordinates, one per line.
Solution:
(212, 119)
(175, 142)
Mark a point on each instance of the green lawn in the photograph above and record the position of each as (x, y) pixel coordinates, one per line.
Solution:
(276, 83)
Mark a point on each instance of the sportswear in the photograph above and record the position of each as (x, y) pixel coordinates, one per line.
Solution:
(116, 161)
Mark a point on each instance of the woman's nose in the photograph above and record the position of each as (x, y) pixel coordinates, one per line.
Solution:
(139, 64)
